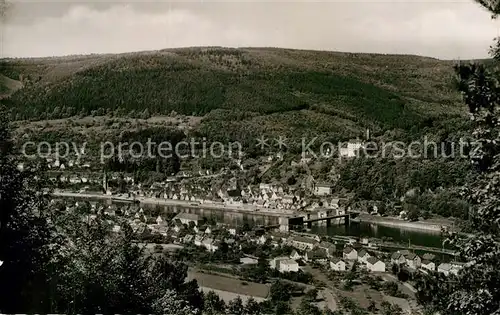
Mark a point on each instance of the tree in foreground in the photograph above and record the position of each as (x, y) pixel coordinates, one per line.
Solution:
(475, 290)
(25, 235)
(58, 261)
(213, 304)
(235, 307)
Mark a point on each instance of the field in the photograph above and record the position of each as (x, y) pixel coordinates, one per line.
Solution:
(363, 295)
(229, 288)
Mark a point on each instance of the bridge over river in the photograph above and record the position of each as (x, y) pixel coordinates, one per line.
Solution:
(322, 216)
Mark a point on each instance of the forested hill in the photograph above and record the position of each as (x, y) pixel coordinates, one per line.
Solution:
(328, 89)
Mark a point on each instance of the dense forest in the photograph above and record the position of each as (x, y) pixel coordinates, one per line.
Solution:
(374, 90)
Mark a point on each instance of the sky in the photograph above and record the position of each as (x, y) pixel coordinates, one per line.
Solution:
(441, 29)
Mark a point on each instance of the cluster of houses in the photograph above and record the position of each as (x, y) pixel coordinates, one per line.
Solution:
(413, 261)
(370, 262)
(273, 196)
(425, 263)
(174, 190)
(264, 196)
(54, 163)
(450, 268)
(188, 228)
(316, 251)
(278, 197)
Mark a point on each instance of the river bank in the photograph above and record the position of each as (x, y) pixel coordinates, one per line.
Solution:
(178, 203)
(398, 233)
(431, 225)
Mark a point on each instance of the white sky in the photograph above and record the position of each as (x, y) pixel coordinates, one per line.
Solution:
(442, 29)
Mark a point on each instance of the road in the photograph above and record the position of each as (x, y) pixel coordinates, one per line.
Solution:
(328, 293)
(406, 288)
(328, 300)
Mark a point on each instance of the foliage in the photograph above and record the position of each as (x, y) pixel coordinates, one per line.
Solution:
(252, 307)
(475, 289)
(391, 288)
(307, 308)
(351, 306)
(236, 307)
(311, 295)
(170, 301)
(58, 261)
(25, 235)
(281, 291)
(103, 272)
(390, 309)
(213, 304)
(380, 179)
(198, 81)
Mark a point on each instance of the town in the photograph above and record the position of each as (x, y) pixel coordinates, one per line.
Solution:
(264, 158)
(218, 252)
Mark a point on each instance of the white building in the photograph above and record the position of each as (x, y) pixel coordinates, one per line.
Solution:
(337, 264)
(273, 263)
(429, 265)
(303, 243)
(322, 189)
(350, 253)
(295, 255)
(198, 239)
(263, 186)
(375, 265)
(351, 149)
(159, 220)
(397, 258)
(444, 268)
(284, 264)
(288, 265)
(233, 231)
(363, 256)
(413, 261)
(208, 243)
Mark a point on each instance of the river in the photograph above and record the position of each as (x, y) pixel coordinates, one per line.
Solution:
(363, 229)
(398, 235)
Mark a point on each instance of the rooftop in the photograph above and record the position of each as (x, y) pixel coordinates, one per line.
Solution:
(302, 239)
(396, 255)
(336, 260)
(348, 250)
(317, 253)
(362, 253)
(372, 260)
(288, 262)
(428, 256)
(326, 185)
(411, 256)
(444, 266)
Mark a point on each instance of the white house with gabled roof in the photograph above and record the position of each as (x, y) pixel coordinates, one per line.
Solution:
(337, 264)
(375, 265)
(350, 253)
